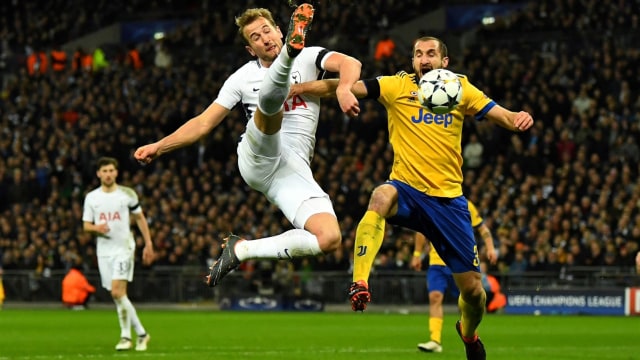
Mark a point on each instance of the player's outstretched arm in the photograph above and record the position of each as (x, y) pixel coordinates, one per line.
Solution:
(325, 88)
(187, 134)
(348, 69)
(514, 121)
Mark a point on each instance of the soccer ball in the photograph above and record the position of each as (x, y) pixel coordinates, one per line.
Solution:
(439, 91)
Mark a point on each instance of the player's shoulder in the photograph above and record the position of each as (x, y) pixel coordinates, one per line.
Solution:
(400, 76)
(311, 57)
(462, 77)
(249, 69)
(128, 191)
(404, 75)
(312, 52)
(92, 194)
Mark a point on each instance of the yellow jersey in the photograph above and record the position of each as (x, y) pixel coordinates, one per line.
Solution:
(476, 220)
(427, 147)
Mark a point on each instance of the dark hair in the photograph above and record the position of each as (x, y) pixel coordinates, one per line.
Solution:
(105, 160)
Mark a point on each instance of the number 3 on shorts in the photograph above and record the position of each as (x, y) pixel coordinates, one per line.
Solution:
(476, 259)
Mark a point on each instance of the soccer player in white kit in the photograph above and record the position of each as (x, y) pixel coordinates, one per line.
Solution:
(106, 214)
(275, 152)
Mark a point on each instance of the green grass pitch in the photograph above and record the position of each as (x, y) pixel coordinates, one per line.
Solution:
(201, 335)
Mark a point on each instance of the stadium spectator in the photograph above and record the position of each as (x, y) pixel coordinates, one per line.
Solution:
(37, 62)
(163, 57)
(133, 59)
(384, 48)
(2, 295)
(76, 289)
(58, 59)
(472, 153)
(100, 61)
(82, 61)
(496, 300)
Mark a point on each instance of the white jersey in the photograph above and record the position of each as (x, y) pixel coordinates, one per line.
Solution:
(112, 208)
(301, 113)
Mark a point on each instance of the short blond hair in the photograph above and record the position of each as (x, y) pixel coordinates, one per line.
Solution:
(251, 15)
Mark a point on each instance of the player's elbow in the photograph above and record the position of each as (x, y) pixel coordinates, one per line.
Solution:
(355, 63)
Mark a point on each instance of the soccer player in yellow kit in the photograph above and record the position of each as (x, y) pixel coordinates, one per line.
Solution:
(440, 279)
(424, 190)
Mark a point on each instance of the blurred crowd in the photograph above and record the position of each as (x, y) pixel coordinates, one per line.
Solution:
(564, 194)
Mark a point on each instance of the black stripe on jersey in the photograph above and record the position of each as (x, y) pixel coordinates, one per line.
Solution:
(415, 79)
(373, 88)
(131, 208)
(319, 58)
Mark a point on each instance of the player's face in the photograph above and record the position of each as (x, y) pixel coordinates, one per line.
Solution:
(107, 175)
(427, 56)
(265, 40)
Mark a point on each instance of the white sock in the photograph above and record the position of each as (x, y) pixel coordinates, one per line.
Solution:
(133, 315)
(123, 318)
(275, 85)
(290, 244)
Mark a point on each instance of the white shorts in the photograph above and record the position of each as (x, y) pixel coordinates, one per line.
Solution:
(115, 267)
(284, 178)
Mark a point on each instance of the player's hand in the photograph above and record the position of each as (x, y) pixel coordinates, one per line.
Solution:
(145, 154)
(294, 89)
(492, 256)
(102, 228)
(348, 102)
(148, 255)
(416, 263)
(523, 121)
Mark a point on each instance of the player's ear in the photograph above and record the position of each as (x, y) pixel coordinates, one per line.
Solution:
(250, 50)
(445, 61)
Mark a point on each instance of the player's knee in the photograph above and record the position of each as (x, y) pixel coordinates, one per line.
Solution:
(383, 200)
(474, 293)
(329, 240)
(271, 103)
(435, 297)
(117, 293)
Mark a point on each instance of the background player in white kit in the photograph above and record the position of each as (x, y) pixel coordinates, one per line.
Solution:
(106, 214)
(275, 152)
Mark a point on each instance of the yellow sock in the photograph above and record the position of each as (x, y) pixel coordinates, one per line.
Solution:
(471, 316)
(435, 328)
(369, 237)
